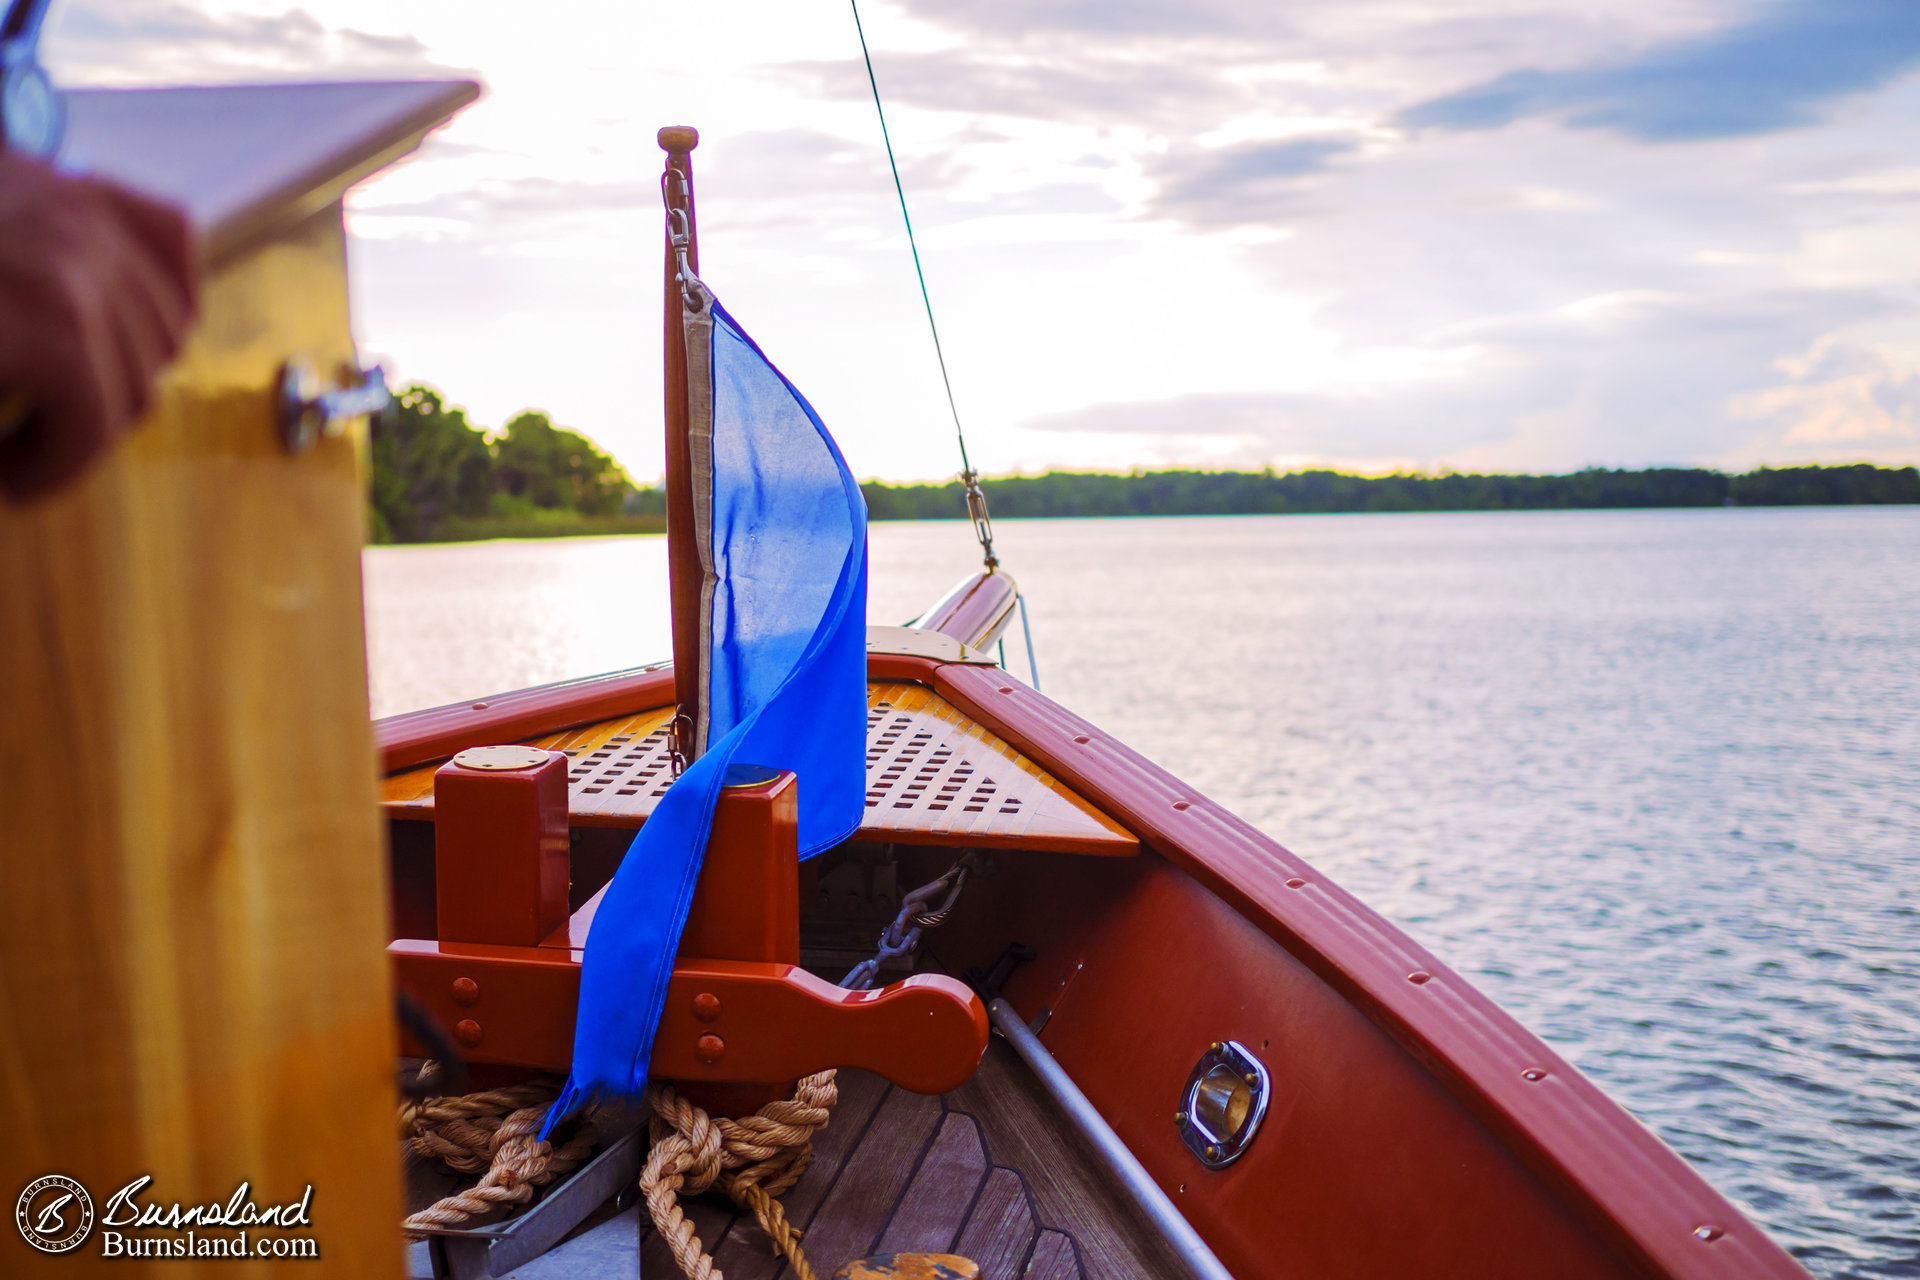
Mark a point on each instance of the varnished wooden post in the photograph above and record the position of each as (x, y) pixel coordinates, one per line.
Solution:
(193, 901)
(683, 554)
(747, 903)
(746, 906)
(500, 845)
(192, 904)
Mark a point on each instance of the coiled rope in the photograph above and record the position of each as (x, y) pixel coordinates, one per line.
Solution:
(496, 1131)
(752, 1159)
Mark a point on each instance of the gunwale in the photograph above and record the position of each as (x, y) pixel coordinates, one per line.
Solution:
(1653, 1207)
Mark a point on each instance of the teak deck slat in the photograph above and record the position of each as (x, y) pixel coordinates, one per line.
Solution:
(934, 776)
(744, 1253)
(990, 1171)
(1025, 1131)
(860, 1097)
(899, 1172)
(862, 1202)
(1000, 1231)
(1053, 1258)
(933, 1211)
(710, 1219)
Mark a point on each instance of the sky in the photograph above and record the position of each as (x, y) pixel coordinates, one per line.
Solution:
(1511, 235)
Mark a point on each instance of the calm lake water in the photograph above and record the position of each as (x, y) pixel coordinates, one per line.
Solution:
(1652, 779)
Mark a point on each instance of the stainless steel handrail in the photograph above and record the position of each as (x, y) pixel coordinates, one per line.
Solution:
(1139, 1184)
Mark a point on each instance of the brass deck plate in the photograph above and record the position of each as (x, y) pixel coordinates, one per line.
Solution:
(933, 777)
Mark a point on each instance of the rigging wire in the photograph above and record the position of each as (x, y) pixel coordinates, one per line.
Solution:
(1033, 668)
(976, 500)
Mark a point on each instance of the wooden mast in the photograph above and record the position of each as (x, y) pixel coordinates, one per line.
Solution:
(684, 573)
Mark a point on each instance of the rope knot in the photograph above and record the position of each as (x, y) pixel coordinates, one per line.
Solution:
(491, 1133)
(751, 1159)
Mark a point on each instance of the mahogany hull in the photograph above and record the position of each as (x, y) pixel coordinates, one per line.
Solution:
(1415, 1128)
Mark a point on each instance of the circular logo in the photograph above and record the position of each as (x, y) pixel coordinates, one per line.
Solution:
(54, 1213)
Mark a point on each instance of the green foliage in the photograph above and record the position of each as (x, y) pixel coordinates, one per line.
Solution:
(428, 464)
(646, 502)
(1183, 493)
(545, 524)
(1825, 486)
(556, 469)
(435, 477)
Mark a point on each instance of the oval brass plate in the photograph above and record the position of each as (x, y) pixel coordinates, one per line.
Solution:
(500, 758)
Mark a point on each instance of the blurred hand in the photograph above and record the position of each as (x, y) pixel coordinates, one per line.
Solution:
(98, 287)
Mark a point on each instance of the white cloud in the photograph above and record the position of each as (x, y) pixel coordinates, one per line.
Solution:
(1155, 232)
(1840, 395)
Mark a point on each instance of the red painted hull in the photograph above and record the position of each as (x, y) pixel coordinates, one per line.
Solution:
(1416, 1129)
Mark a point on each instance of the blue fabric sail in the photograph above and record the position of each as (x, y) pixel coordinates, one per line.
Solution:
(782, 531)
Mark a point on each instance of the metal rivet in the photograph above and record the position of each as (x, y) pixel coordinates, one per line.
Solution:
(1216, 1046)
(706, 1006)
(1419, 977)
(479, 706)
(465, 991)
(1006, 688)
(1533, 1073)
(1707, 1231)
(1213, 1151)
(1082, 739)
(467, 1032)
(1180, 804)
(1179, 1117)
(709, 1048)
(1296, 883)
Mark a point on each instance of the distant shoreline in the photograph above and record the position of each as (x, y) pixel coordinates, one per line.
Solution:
(1234, 493)
(1070, 495)
(546, 525)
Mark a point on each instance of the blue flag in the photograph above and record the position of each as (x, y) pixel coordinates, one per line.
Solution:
(782, 532)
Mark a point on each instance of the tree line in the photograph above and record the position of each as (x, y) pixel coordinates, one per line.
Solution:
(1207, 493)
(437, 477)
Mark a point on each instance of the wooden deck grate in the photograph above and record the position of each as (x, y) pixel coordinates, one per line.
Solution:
(625, 767)
(934, 776)
(918, 761)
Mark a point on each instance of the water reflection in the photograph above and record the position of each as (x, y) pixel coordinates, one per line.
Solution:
(1652, 779)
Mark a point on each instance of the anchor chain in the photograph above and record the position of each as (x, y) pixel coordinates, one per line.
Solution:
(917, 914)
